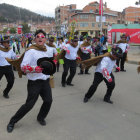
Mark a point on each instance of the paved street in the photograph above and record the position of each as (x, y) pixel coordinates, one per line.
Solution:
(70, 118)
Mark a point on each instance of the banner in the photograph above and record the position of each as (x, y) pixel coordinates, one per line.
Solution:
(101, 7)
(133, 33)
(19, 29)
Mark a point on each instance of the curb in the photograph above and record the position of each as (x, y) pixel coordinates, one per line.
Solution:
(133, 62)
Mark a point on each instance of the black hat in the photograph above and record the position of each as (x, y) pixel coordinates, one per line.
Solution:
(75, 38)
(4, 39)
(123, 36)
(117, 52)
(88, 37)
(51, 39)
(47, 64)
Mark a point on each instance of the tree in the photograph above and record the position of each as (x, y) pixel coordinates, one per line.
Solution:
(5, 30)
(13, 30)
(25, 28)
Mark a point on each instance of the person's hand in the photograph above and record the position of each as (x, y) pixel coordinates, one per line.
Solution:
(110, 80)
(78, 58)
(38, 69)
(89, 51)
(55, 61)
(68, 51)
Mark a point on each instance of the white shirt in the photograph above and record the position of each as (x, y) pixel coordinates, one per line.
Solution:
(80, 42)
(105, 46)
(123, 46)
(50, 51)
(14, 45)
(85, 49)
(31, 57)
(60, 46)
(10, 54)
(73, 52)
(107, 63)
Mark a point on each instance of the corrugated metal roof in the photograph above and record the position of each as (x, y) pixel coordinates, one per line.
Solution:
(124, 26)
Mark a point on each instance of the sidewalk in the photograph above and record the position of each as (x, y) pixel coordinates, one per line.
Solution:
(133, 58)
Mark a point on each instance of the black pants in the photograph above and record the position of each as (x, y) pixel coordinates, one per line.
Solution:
(35, 88)
(8, 72)
(68, 64)
(121, 61)
(98, 78)
(84, 56)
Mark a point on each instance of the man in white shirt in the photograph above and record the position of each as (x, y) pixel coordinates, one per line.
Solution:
(70, 62)
(104, 72)
(5, 67)
(38, 82)
(86, 51)
(124, 46)
(51, 48)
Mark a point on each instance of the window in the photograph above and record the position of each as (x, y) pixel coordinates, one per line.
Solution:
(93, 24)
(84, 24)
(91, 11)
(84, 16)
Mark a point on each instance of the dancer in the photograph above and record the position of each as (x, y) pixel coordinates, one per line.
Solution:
(38, 68)
(5, 67)
(105, 64)
(86, 53)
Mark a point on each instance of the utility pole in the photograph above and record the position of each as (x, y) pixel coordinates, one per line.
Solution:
(101, 17)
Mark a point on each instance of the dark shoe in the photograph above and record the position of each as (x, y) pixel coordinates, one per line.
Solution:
(10, 127)
(69, 84)
(116, 70)
(80, 73)
(108, 101)
(123, 70)
(42, 122)
(63, 85)
(85, 100)
(6, 96)
(87, 73)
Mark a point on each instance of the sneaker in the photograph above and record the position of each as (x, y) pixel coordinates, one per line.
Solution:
(85, 100)
(63, 85)
(6, 96)
(108, 101)
(80, 73)
(123, 70)
(42, 122)
(87, 73)
(69, 84)
(10, 127)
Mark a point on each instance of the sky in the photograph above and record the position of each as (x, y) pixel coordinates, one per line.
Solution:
(47, 7)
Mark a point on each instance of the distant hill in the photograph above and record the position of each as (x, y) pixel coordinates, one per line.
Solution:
(12, 14)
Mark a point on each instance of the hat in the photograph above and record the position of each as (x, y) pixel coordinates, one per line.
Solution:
(75, 38)
(123, 36)
(117, 52)
(88, 37)
(47, 64)
(4, 39)
(51, 39)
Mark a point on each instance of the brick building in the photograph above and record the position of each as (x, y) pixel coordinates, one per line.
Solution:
(88, 23)
(132, 15)
(86, 19)
(62, 15)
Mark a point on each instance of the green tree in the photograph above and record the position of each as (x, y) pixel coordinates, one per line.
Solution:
(13, 30)
(25, 28)
(5, 30)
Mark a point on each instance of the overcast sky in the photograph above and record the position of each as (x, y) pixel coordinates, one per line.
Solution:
(47, 7)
